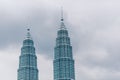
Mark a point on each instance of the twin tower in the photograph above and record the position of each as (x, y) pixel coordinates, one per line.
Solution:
(63, 59)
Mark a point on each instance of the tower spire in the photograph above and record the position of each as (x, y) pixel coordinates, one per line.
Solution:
(62, 26)
(28, 34)
(62, 14)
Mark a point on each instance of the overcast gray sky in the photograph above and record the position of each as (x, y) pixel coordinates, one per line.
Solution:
(94, 29)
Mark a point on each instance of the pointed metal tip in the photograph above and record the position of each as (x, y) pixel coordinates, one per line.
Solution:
(62, 14)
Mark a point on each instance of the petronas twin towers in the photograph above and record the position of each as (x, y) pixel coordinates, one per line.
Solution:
(63, 58)
(28, 61)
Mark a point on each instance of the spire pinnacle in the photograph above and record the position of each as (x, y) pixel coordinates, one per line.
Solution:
(62, 14)
(28, 34)
(62, 20)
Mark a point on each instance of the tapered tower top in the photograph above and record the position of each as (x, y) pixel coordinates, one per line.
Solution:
(62, 26)
(28, 40)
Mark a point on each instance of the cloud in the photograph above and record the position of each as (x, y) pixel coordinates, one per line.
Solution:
(93, 28)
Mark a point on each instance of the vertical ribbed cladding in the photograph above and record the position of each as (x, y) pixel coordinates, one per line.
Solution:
(63, 47)
(62, 38)
(63, 58)
(28, 47)
(28, 61)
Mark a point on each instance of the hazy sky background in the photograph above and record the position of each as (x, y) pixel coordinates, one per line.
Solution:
(93, 25)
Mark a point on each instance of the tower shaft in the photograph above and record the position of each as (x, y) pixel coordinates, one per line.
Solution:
(28, 61)
(63, 59)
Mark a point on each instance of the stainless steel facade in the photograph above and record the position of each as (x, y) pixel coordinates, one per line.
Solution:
(63, 58)
(28, 61)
